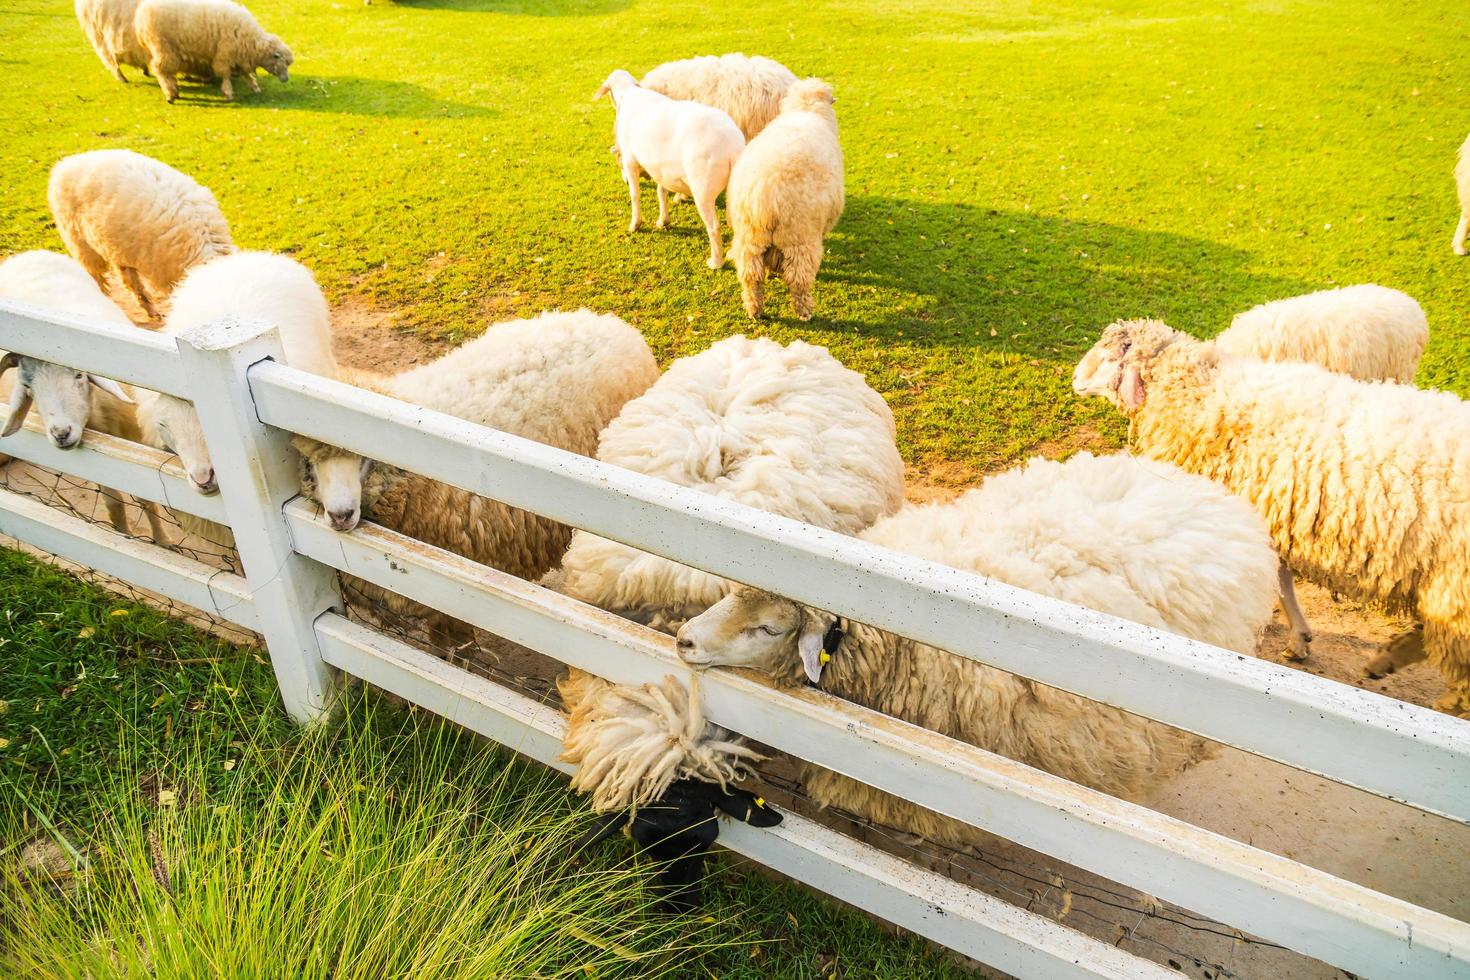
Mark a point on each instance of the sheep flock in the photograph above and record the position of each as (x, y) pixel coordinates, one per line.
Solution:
(1292, 444)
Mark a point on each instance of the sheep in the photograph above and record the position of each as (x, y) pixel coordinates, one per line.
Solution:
(684, 146)
(108, 25)
(1369, 332)
(121, 211)
(1127, 536)
(256, 285)
(1462, 183)
(557, 379)
(747, 89)
(70, 401)
(1361, 483)
(208, 39)
(785, 195)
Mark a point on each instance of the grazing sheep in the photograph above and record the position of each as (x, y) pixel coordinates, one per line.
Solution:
(1131, 537)
(684, 146)
(70, 401)
(207, 39)
(1462, 183)
(747, 89)
(121, 211)
(1362, 484)
(108, 24)
(1369, 332)
(785, 195)
(557, 379)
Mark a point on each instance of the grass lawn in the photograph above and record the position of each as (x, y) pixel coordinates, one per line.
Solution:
(1018, 174)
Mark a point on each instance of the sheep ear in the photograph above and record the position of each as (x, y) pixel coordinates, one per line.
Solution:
(111, 387)
(601, 91)
(9, 361)
(809, 645)
(20, 404)
(1130, 389)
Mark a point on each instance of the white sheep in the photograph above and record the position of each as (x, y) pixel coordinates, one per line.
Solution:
(1369, 332)
(684, 146)
(121, 211)
(1462, 184)
(558, 379)
(207, 39)
(108, 25)
(1362, 484)
(786, 193)
(1131, 537)
(747, 89)
(70, 401)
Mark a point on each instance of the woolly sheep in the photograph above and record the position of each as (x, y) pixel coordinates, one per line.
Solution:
(108, 25)
(684, 146)
(557, 379)
(1462, 183)
(207, 39)
(1369, 332)
(786, 194)
(1130, 537)
(1362, 484)
(747, 89)
(121, 211)
(69, 401)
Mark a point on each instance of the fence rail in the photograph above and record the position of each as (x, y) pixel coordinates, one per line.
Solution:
(248, 405)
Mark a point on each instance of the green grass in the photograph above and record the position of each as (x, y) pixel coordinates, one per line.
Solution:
(1018, 174)
(384, 846)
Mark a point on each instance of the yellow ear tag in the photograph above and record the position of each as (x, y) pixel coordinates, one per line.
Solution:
(825, 658)
(760, 801)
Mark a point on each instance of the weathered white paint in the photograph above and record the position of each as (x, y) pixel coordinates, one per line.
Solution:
(1398, 750)
(144, 472)
(258, 471)
(112, 350)
(147, 566)
(1270, 896)
(971, 922)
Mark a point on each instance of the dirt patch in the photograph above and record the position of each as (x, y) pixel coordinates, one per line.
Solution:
(366, 337)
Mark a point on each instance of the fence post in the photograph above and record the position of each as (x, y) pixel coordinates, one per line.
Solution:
(258, 472)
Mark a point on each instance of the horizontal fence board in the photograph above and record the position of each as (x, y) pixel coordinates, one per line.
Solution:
(995, 932)
(113, 350)
(1399, 750)
(137, 562)
(144, 472)
(1310, 911)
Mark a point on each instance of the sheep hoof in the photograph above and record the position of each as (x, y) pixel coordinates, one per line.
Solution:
(633, 228)
(714, 263)
(1459, 249)
(662, 226)
(1299, 648)
(1380, 666)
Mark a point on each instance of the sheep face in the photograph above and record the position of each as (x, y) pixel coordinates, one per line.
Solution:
(172, 423)
(751, 628)
(61, 395)
(1116, 367)
(333, 478)
(614, 85)
(278, 58)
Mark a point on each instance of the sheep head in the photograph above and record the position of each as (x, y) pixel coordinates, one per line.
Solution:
(334, 479)
(614, 85)
(809, 95)
(755, 629)
(277, 58)
(171, 423)
(62, 396)
(1117, 367)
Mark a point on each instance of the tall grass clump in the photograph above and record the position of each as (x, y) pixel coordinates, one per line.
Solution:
(383, 846)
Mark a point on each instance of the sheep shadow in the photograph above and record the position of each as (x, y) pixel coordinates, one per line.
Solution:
(963, 275)
(346, 95)
(556, 8)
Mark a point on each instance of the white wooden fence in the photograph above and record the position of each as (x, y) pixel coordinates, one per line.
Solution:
(249, 404)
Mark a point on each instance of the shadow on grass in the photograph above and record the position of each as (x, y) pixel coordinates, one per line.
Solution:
(344, 94)
(558, 8)
(1052, 281)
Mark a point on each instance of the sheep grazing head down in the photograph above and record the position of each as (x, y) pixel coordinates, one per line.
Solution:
(173, 424)
(615, 84)
(277, 59)
(61, 395)
(755, 629)
(1117, 367)
(333, 478)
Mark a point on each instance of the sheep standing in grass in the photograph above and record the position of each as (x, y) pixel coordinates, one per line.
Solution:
(747, 89)
(123, 212)
(1131, 537)
(70, 401)
(786, 194)
(1368, 332)
(108, 24)
(557, 379)
(207, 39)
(1462, 184)
(685, 147)
(1363, 485)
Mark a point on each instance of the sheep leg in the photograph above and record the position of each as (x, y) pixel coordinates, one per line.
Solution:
(1405, 649)
(663, 207)
(134, 282)
(117, 511)
(156, 526)
(226, 87)
(704, 200)
(1460, 231)
(799, 268)
(750, 265)
(631, 173)
(168, 82)
(116, 70)
(1301, 633)
(251, 80)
